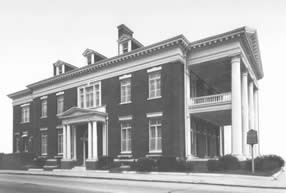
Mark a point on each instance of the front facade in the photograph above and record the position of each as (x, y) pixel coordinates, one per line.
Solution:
(172, 98)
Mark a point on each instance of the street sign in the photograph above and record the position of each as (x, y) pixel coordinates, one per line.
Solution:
(252, 137)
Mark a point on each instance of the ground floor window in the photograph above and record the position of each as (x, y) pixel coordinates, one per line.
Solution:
(25, 143)
(125, 137)
(17, 144)
(44, 143)
(155, 135)
(60, 141)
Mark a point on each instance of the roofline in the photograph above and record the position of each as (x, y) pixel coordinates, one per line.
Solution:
(19, 93)
(105, 62)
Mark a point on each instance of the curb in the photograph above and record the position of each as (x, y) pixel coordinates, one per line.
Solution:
(142, 180)
(277, 174)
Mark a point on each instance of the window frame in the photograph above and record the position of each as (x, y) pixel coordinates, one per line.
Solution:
(128, 141)
(125, 46)
(44, 146)
(60, 100)
(156, 126)
(44, 108)
(25, 114)
(17, 144)
(96, 95)
(152, 79)
(60, 141)
(125, 91)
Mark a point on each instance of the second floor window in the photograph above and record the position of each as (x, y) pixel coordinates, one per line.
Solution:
(25, 114)
(154, 85)
(90, 96)
(44, 108)
(125, 90)
(60, 104)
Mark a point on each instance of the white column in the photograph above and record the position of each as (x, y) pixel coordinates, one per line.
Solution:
(221, 140)
(89, 140)
(236, 106)
(94, 142)
(256, 118)
(64, 142)
(244, 113)
(74, 142)
(68, 142)
(188, 147)
(104, 140)
(251, 105)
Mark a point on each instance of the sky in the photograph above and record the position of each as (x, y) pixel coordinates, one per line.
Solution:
(36, 33)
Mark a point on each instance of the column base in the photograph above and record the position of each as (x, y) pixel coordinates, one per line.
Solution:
(91, 164)
(67, 164)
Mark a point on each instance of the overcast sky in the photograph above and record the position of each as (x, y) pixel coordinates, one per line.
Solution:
(36, 33)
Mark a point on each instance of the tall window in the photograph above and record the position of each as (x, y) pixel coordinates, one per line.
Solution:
(17, 144)
(44, 143)
(25, 114)
(60, 104)
(154, 84)
(25, 142)
(90, 96)
(125, 137)
(60, 141)
(155, 135)
(125, 90)
(44, 108)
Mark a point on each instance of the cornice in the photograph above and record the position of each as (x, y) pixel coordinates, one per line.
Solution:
(178, 40)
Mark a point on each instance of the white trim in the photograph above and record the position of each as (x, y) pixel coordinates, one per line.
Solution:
(154, 69)
(44, 97)
(125, 118)
(60, 93)
(44, 129)
(24, 105)
(125, 76)
(157, 97)
(155, 114)
(60, 127)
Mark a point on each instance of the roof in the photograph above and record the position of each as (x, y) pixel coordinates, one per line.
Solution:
(60, 62)
(90, 51)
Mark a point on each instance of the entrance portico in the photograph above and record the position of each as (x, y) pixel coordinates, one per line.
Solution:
(93, 122)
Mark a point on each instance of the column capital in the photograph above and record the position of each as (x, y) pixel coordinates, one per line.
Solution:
(235, 58)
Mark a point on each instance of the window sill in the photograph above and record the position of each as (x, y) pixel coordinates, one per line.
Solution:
(44, 117)
(24, 122)
(154, 152)
(44, 154)
(123, 103)
(126, 152)
(157, 97)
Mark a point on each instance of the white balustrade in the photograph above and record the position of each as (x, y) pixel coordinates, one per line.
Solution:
(209, 99)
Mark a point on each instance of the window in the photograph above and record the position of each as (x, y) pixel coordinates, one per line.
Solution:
(125, 90)
(60, 141)
(60, 104)
(44, 143)
(155, 135)
(125, 47)
(25, 142)
(90, 96)
(154, 85)
(89, 59)
(25, 117)
(17, 144)
(125, 137)
(44, 108)
(60, 69)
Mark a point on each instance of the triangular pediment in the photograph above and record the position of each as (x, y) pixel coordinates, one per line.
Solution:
(75, 111)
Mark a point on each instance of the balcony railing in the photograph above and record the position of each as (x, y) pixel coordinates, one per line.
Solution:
(211, 99)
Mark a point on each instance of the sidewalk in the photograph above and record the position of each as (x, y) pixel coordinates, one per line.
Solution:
(191, 178)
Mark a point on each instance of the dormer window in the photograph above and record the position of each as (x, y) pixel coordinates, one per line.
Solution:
(89, 59)
(61, 67)
(92, 56)
(125, 47)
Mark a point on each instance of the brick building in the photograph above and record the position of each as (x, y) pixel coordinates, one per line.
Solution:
(172, 98)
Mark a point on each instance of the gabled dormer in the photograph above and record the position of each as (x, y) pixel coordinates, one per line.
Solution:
(61, 67)
(92, 56)
(126, 42)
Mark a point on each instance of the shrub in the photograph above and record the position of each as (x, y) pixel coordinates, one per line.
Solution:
(266, 163)
(145, 164)
(39, 162)
(229, 162)
(166, 163)
(214, 165)
(105, 162)
(183, 166)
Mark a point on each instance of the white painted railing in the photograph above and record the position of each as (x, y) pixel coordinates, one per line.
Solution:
(209, 99)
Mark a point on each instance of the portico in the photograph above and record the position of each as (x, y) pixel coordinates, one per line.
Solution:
(84, 136)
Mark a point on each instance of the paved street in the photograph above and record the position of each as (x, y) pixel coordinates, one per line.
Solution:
(10, 183)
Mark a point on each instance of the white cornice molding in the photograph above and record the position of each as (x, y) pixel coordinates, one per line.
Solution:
(154, 114)
(125, 118)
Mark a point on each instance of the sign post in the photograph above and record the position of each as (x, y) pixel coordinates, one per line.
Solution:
(251, 140)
